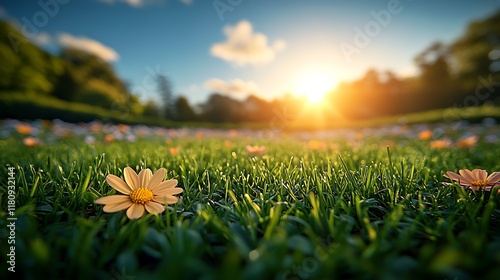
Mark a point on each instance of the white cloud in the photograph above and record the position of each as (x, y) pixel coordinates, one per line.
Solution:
(133, 3)
(42, 39)
(187, 2)
(243, 46)
(88, 45)
(236, 87)
(3, 12)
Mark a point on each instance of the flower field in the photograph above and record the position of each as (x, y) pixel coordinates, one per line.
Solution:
(101, 201)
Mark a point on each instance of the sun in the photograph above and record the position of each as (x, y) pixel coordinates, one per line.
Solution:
(314, 85)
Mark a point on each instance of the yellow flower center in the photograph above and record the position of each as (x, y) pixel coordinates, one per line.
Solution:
(141, 196)
(479, 183)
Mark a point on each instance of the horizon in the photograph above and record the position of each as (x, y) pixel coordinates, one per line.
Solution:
(240, 48)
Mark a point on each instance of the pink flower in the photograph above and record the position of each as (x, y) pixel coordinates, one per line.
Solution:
(476, 179)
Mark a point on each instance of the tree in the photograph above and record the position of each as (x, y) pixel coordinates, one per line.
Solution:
(165, 89)
(89, 79)
(74, 75)
(221, 108)
(361, 98)
(257, 109)
(435, 83)
(86, 66)
(475, 55)
(25, 67)
(151, 109)
(66, 87)
(183, 110)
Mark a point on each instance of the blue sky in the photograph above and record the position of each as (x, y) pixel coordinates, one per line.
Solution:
(265, 47)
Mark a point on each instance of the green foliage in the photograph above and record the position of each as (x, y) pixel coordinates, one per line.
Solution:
(88, 67)
(73, 76)
(25, 67)
(476, 64)
(165, 88)
(23, 106)
(90, 80)
(472, 50)
(151, 109)
(183, 110)
(67, 86)
(221, 108)
(99, 93)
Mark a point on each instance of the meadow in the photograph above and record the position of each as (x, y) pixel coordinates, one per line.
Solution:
(339, 204)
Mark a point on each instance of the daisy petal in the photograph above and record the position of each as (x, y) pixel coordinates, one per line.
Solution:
(112, 199)
(493, 178)
(157, 178)
(169, 191)
(135, 211)
(479, 174)
(154, 207)
(110, 208)
(454, 176)
(118, 184)
(169, 184)
(467, 175)
(166, 199)
(131, 178)
(144, 177)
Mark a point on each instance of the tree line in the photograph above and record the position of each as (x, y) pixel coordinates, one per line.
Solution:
(463, 73)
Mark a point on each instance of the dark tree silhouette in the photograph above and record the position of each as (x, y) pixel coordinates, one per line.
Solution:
(476, 59)
(165, 89)
(184, 112)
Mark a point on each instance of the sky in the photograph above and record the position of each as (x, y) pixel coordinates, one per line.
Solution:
(241, 47)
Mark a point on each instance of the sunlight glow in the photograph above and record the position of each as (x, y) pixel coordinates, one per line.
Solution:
(314, 85)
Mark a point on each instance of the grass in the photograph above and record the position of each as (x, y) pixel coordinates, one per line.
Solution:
(357, 210)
